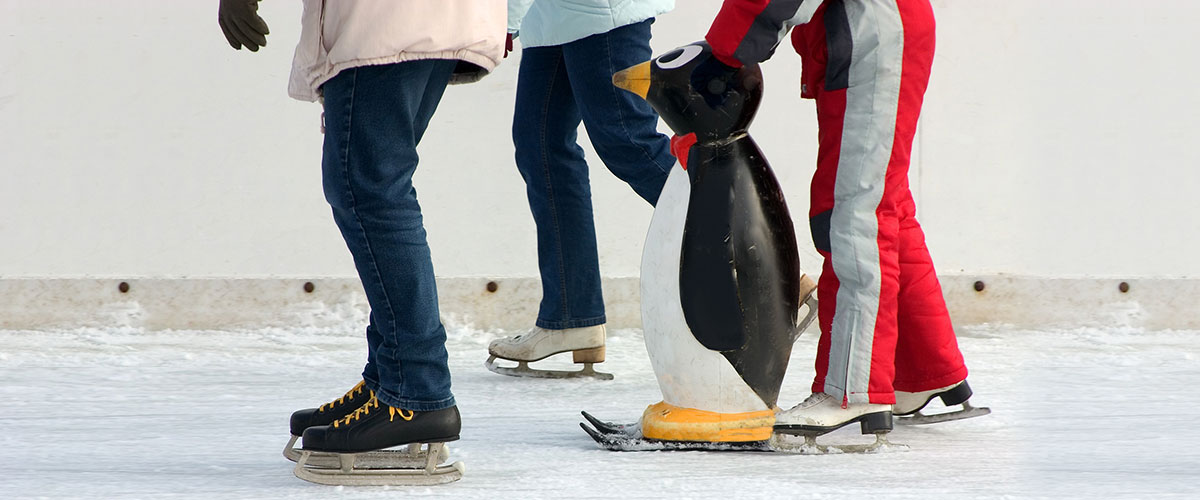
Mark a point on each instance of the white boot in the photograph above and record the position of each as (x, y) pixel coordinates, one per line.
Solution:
(908, 403)
(958, 393)
(586, 345)
(540, 343)
(822, 413)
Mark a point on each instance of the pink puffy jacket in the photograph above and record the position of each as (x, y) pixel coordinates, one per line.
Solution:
(340, 34)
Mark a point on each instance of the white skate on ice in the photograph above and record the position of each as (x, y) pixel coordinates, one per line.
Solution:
(821, 414)
(586, 346)
(909, 405)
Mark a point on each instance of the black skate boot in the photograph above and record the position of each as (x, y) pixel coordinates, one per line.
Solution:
(325, 415)
(351, 450)
(333, 410)
(375, 426)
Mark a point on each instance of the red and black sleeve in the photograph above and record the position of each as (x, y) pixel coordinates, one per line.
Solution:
(747, 31)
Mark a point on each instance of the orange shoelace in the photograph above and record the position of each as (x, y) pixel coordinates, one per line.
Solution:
(357, 389)
(366, 408)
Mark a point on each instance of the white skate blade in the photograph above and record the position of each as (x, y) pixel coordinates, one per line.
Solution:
(523, 370)
(349, 471)
(966, 412)
(413, 456)
(807, 445)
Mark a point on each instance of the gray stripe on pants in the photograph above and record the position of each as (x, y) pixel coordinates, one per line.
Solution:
(872, 99)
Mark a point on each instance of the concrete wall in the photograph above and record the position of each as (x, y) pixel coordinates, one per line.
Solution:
(1056, 142)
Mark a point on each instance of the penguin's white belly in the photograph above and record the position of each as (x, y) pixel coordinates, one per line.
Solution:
(689, 374)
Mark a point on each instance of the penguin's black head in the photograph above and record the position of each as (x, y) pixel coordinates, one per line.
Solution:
(665, 83)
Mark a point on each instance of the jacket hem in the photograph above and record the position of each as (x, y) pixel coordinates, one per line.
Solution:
(484, 64)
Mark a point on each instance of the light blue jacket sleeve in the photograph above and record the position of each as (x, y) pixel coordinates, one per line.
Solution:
(516, 13)
(557, 22)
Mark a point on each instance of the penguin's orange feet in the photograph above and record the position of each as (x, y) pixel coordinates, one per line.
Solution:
(672, 423)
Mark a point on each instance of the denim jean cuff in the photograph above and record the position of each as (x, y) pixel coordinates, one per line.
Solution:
(570, 323)
(408, 404)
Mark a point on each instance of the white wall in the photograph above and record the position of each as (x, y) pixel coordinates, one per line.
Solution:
(1058, 140)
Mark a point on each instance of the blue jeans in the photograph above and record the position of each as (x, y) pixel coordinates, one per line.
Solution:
(558, 87)
(374, 118)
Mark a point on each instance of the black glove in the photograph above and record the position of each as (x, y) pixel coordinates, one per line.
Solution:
(711, 79)
(242, 26)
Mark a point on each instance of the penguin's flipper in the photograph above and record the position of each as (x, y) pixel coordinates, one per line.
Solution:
(708, 289)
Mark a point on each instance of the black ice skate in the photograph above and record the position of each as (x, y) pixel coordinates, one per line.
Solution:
(357, 442)
(337, 409)
(909, 405)
(325, 415)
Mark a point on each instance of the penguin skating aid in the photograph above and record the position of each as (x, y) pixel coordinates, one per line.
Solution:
(721, 281)
(628, 437)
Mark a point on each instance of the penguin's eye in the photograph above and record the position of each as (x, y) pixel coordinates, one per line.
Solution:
(678, 57)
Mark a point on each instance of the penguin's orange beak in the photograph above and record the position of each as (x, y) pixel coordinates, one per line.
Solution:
(635, 79)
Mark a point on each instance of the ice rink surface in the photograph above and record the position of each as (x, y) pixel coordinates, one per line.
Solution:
(123, 413)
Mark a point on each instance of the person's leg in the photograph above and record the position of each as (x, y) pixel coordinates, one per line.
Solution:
(545, 126)
(375, 117)
(622, 126)
(927, 354)
(879, 57)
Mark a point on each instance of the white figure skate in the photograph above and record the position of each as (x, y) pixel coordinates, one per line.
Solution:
(821, 414)
(586, 346)
(909, 405)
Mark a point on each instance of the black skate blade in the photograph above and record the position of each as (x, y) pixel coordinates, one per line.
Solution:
(963, 414)
(608, 427)
(624, 442)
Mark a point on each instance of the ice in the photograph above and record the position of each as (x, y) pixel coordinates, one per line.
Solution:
(125, 413)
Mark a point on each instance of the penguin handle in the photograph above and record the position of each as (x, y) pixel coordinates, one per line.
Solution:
(808, 297)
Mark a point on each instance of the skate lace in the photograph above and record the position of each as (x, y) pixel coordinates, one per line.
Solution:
(366, 408)
(357, 389)
(815, 399)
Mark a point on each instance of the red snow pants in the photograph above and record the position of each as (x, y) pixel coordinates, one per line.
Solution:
(884, 323)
